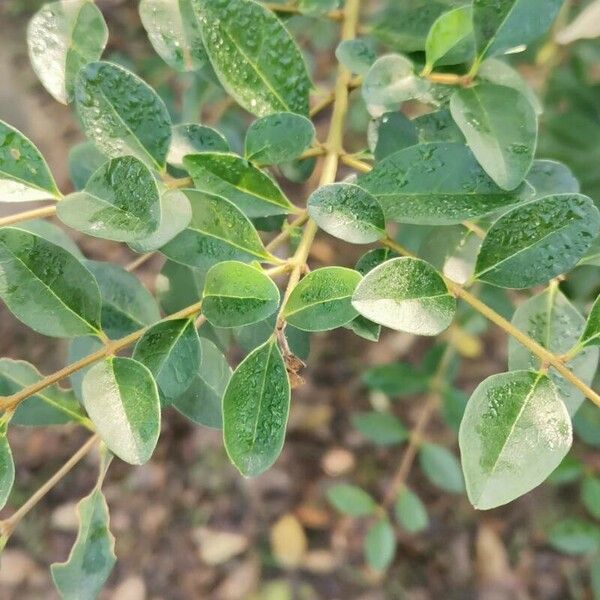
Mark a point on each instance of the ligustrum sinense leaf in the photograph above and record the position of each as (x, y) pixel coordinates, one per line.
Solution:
(50, 406)
(24, 173)
(121, 114)
(380, 545)
(120, 202)
(218, 231)
(121, 398)
(590, 495)
(174, 33)
(406, 294)
(62, 38)
(441, 468)
(436, 184)
(410, 512)
(7, 467)
(356, 55)
(321, 301)
(254, 56)
(549, 177)
(501, 25)
(381, 428)
(171, 350)
(201, 402)
(500, 126)
(53, 234)
(591, 333)
(178, 286)
(515, 432)
(237, 294)
(552, 321)
(191, 138)
(533, 243)
(438, 126)
(234, 178)
(351, 500)
(278, 138)
(255, 410)
(450, 40)
(84, 160)
(46, 287)
(80, 347)
(92, 557)
(393, 131)
(348, 212)
(126, 304)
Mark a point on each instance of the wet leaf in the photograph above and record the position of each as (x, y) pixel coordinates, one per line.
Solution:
(351, 500)
(121, 398)
(92, 557)
(321, 301)
(174, 33)
(46, 287)
(393, 131)
(7, 467)
(191, 138)
(516, 430)
(450, 40)
(84, 160)
(24, 173)
(278, 138)
(78, 349)
(533, 243)
(121, 114)
(500, 126)
(383, 429)
(356, 55)
(254, 56)
(549, 177)
(405, 294)
(237, 294)
(171, 350)
(62, 38)
(442, 468)
(410, 512)
(437, 126)
(591, 333)
(53, 234)
(120, 202)
(178, 286)
(435, 184)
(255, 410)
(380, 545)
(218, 231)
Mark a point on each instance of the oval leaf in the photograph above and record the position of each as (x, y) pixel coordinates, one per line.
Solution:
(351, 500)
(7, 467)
(591, 333)
(450, 39)
(190, 138)
(549, 177)
(441, 467)
(380, 545)
(410, 512)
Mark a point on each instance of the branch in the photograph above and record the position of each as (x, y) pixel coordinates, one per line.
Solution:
(29, 215)
(292, 9)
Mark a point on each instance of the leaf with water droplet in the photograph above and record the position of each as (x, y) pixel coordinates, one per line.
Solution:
(178, 286)
(389, 133)
(84, 160)
(191, 138)
(120, 202)
(549, 177)
(591, 333)
(256, 405)
(46, 287)
(121, 398)
(63, 37)
(552, 321)
(52, 233)
(516, 430)
(450, 40)
(437, 126)
(406, 294)
(321, 301)
(356, 55)
(122, 114)
(533, 243)
(254, 56)
(278, 138)
(7, 467)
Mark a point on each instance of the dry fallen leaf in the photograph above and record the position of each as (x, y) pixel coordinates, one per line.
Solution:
(288, 541)
(217, 547)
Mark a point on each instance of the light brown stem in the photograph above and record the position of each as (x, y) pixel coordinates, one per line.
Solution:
(139, 261)
(29, 215)
(285, 234)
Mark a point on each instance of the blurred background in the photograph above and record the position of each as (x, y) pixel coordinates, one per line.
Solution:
(187, 525)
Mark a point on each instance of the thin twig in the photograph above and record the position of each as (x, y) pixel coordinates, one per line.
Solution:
(139, 261)
(29, 215)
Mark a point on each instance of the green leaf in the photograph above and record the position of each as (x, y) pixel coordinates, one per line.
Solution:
(373, 258)
(435, 184)
(364, 328)
(234, 178)
(171, 351)
(201, 402)
(278, 138)
(218, 231)
(174, 33)
(321, 301)
(79, 348)
(237, 294)
(62, 38)
(50, 406)
(383, 429)
(190, 138)
(347, 212)
(450, 39)
(454, 402)
(92, 557)
(590, 495)
(396, 380)
(121, 398)
(535, 242)
(53, 234)
(552, 321)
(380, 545)
(254, 56)
(500, 126)
(7, 467)
(256, 405)
(84, 160)
(410, 512)
(126, 304)
(575, 536)
(120, 202)
(549, 177)
(393, 131)
(442, 468)
(587, 424)
(351, 500)
(178, 286)
(438, 126)
(501, 25)
(46, 287)
(516, 430)
(356, 55)
(405, 294)
(317, 7)
(24, 173)
(121, 114)
(591, 333)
